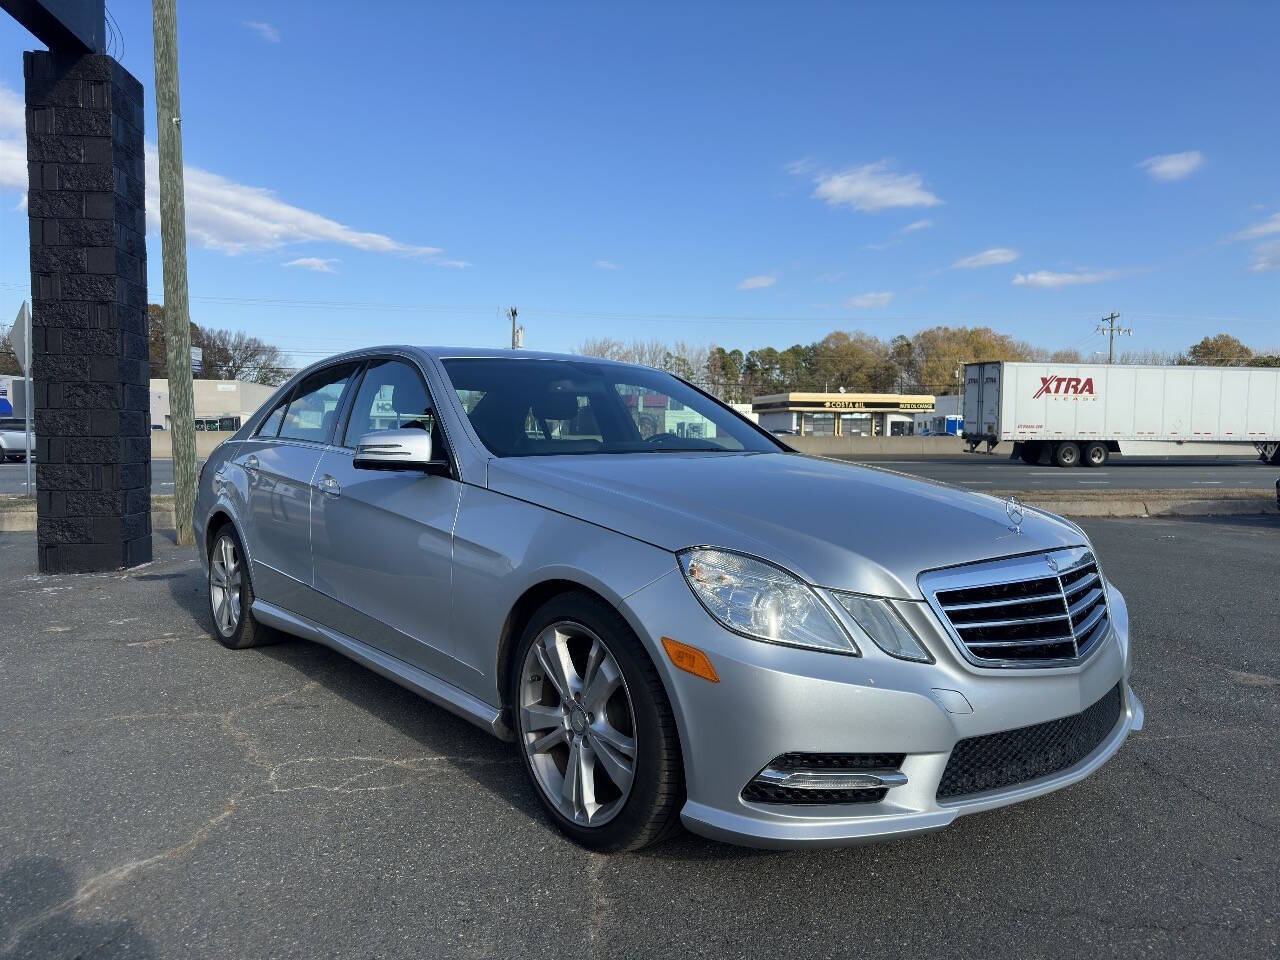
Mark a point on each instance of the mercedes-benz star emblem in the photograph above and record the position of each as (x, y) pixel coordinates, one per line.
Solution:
(1013, 509)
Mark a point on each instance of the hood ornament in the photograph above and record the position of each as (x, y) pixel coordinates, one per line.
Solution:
(1013, 510)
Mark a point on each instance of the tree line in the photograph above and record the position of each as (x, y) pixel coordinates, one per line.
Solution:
(930, 361)
(225, 354)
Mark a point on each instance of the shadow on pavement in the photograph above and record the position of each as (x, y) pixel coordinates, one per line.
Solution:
(36, 917)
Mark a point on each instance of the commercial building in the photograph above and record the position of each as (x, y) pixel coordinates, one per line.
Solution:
(219, 404)
(947, 417)
(842, 414)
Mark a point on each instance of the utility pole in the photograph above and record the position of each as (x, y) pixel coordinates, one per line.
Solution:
(517, 332)
(1108, 326)
(173, 251)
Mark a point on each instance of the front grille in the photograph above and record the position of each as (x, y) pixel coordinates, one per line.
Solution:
(1042, 609)
(1000, 760)
(759, 791)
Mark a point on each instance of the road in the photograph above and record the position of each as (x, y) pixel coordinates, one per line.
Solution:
(1000, 473)
(164, 797)
(977, 471)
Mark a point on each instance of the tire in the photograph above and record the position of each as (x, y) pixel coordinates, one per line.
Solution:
(1030, 453)
(1066, 454)
(239, 630)
(1095, 454)
(552, 732)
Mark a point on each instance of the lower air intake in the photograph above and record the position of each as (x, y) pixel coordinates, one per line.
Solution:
(1000, 760)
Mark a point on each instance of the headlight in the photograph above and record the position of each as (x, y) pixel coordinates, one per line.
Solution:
(759, 600)
(883, 627)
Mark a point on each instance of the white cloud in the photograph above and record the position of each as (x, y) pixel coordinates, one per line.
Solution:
(319, 264)
(987, 258)
(758, 282)
(13, 141)
(918, 225)
(828, 277)
(1266, 228)
(237, 218)
(1266, 256)
(869, 301)
(265, 30)
(1173, 166)
(1050, 280)
(871, 188)
(606, 265)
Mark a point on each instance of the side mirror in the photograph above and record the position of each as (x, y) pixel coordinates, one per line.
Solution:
(397, 450)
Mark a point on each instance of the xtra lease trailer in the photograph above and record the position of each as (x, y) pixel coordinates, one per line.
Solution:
(1083, 412)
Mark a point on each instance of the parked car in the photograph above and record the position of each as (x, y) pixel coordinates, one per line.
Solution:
(13, 440)
(697, 625)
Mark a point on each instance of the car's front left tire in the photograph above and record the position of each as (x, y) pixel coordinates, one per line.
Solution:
(595, 728)
(231, 593)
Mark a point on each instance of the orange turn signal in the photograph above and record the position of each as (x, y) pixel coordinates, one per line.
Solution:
(690, 659)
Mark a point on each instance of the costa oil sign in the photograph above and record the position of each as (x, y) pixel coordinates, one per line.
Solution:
(1065, 387)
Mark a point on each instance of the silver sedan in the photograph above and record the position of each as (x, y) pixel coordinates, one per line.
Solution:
(674, 617)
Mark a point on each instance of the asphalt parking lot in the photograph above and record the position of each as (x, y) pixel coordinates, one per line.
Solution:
(164, 797)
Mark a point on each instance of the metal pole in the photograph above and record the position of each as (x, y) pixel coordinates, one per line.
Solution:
(27, 398)
(173, 251)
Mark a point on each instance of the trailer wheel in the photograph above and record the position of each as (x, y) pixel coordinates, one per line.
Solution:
(1030, 453)
(1095, 454)
(1066, 454)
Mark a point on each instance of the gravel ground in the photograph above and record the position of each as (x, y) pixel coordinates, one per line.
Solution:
(162, 796)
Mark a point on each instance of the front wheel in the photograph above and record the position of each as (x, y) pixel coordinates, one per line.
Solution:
(1066, 455)
(231, 593)
(595, 728)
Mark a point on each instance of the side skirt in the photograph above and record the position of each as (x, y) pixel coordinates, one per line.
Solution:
(426, 685)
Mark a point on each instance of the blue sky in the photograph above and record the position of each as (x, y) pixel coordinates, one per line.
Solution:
(744, 174)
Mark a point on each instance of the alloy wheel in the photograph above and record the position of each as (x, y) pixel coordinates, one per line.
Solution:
(225, 580)
(577, 724)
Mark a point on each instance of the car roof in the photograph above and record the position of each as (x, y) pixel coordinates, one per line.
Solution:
(471, 353)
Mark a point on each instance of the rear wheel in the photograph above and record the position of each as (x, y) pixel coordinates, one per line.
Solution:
(1095, 454)
(595, 728)
(1066, 454)
(231, 593)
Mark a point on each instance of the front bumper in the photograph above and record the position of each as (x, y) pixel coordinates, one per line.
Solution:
(773, 700)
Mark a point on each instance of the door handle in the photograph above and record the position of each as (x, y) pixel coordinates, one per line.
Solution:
(330, 487)
(251, 463)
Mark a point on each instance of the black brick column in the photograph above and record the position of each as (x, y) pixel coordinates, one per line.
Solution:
(89, 312)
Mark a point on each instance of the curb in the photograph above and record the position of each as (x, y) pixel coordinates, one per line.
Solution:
(18, 514)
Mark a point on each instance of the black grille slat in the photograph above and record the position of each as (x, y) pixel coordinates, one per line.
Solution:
(1020, 622)
(1007, 611)
(998, 761)
(1013, 590)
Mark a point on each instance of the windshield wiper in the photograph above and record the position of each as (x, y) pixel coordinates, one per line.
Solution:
(688, 450)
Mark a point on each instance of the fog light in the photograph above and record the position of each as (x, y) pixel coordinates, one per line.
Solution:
(827, 778)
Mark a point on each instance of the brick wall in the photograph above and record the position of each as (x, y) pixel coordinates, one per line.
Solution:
(89, 320)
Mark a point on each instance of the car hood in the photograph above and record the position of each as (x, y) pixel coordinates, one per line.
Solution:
(834, 524)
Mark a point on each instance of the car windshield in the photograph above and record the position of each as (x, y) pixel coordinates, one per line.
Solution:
(523, 407)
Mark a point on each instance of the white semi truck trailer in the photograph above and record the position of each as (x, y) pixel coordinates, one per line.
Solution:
(1067, 414)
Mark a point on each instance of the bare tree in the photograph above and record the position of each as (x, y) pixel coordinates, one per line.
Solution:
(9, 363)
(234, 355)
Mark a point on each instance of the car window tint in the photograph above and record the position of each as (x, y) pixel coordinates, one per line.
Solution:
(524, 407)
(314, 405)
(391, 396)
(271, 425)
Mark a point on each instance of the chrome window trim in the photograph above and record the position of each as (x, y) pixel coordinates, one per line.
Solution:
(992, 573)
